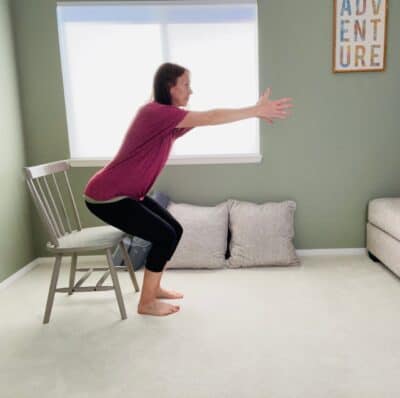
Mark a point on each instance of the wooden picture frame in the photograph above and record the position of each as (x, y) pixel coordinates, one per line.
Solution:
(359, 35)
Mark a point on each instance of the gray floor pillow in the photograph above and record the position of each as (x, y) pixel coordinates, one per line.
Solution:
(205, 234)
(261, 234)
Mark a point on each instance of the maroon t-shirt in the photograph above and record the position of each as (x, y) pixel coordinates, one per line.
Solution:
(142, 155)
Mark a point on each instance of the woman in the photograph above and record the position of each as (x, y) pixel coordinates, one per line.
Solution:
(117, 194)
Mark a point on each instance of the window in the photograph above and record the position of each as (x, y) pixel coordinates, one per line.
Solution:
(110, 52)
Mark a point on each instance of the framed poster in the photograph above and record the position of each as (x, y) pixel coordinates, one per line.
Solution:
(359, 31)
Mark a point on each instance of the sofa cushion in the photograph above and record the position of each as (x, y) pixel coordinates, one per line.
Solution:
(384, 213)
(261, 234)
(205, 233)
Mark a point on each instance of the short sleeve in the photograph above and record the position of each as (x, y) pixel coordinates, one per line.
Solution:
(167, 117)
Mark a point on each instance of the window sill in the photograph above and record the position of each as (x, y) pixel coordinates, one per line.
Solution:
(178, 160)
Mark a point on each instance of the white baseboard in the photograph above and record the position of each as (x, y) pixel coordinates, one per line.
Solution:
(7, 282)
(102, 259)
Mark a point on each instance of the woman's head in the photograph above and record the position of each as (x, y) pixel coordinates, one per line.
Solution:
(171, 85)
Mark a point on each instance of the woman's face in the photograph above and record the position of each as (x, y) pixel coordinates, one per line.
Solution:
(181, 92)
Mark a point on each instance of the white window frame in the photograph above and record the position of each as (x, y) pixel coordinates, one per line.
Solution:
(175, 159)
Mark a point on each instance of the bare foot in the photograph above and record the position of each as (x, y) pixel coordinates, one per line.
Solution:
(157, 307)
(168, 294)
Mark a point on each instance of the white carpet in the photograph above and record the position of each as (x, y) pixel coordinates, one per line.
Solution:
(327, 328)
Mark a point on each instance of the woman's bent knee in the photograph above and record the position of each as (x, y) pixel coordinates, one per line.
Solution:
(179, 232)
(159, 254)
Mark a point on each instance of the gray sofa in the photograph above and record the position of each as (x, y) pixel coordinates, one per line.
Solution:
(383, 232)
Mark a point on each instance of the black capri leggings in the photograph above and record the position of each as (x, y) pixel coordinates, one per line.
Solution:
(147, 220)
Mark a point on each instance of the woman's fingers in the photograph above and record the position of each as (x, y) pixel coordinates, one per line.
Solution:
(267, 92)
(278, 115)
(284, 100)
(281, 116)
(281, 113)
(283, 105)
(282, 108)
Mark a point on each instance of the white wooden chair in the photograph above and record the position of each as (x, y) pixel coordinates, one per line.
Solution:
(48, 194)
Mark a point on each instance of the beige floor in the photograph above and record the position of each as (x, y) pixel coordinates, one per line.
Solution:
(327, 328)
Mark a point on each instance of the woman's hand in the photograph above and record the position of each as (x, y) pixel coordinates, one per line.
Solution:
(269, 110)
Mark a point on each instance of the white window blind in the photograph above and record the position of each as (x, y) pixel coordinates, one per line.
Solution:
(110, 52)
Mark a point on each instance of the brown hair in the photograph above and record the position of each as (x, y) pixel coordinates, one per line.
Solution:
(165, 78)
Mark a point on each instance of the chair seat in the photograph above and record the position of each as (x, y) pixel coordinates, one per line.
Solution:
(92, 238)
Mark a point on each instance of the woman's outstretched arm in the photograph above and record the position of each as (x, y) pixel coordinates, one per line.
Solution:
(264, 109)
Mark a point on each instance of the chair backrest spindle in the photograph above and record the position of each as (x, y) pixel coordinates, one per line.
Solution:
(71, 195)
(48, 208)
(54, 205)
(63, 209)
(49, 199)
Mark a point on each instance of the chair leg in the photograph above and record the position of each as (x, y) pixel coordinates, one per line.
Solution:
(117, 288)
(72, 273)
(129, 265)
(52, 289)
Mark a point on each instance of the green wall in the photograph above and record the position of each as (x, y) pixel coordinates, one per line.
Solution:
(16, 248)
(338, 150)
